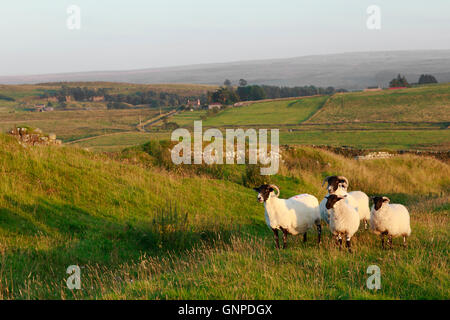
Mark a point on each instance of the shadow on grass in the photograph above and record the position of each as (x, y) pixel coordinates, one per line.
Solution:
(56, 235)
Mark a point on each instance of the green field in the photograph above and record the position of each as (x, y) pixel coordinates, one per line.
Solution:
(372, 139)
(119, 141)
(27, 91)
(140, 231)
(413, 118)
(409, 119)
(269, 113)
(73, 125)
(421, 104)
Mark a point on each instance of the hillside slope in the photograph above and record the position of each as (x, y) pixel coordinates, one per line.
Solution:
(139, 231)
(421, 104)
(355, 70)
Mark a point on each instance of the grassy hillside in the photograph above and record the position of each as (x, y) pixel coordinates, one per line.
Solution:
(29, 91)
(72, 125)
(413, 118)
(269, 113)
(140, 231)
(372, 139)
(421, 104)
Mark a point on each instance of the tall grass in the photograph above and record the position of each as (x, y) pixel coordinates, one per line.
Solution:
(139, 229)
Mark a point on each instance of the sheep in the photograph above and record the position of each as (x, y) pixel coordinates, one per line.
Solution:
(334, 182)
(359, 200)
(344, 220)
(389, 219)
(293, 216)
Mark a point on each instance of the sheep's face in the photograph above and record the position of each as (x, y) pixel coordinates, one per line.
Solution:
(332, 199)
(336, 182)
(263, 192)
(378, 202)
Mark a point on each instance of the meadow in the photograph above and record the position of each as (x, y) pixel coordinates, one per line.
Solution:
(78, 124)
(269, 113)
(408, 119)
(419, 104)
(142, 229)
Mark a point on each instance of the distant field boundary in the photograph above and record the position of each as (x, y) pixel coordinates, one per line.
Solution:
(155, 120)
(98, 136)
(247, 103)
(305, 126)
(354, 152)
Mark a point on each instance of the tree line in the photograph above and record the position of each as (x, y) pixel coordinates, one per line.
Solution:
(244, 92)
(401, 81)
(151, 98)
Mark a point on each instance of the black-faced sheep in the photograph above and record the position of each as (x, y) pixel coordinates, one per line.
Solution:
(294, 216)
(389, 219)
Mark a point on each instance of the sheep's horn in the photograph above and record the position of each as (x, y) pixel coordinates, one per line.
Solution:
(325, 180)
(343, 178)
(276, 188)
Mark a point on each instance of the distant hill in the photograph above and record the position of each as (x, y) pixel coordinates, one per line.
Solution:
(420, 104)
(345, 70)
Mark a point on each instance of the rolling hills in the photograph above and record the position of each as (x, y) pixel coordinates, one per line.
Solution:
(412, 118)
(415, 118)
(346, 70)
(420, 104)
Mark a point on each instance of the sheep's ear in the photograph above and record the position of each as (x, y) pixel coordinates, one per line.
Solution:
(256, 189)
(386, 199)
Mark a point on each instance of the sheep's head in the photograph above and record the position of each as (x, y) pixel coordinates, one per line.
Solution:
(378, 202)
(265, 190)
(332, 199)
(334, 182)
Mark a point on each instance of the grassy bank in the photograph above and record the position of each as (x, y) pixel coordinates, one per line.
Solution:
(138, 230)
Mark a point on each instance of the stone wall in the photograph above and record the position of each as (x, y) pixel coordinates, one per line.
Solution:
(30, 136)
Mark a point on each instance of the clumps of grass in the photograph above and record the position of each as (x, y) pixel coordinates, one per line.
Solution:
(172, 230)
(252, 176)
(170, 227)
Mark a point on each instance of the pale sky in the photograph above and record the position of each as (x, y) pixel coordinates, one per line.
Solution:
(134, 34)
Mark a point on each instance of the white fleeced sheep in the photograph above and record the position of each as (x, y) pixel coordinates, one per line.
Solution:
(294, 216)
(359, 200)
(344, 220)
(389, 219)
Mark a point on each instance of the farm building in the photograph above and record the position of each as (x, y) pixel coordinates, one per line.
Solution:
(368, 89)
(194, 104)
(214, 105)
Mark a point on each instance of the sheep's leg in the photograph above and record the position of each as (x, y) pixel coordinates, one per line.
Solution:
(285, 234)
(339, 241)
(349, 244)
(366, 225)
(305, 238)
(390, 241)
(275, 233)
(382, 239)
(319, 232)
(405, 244)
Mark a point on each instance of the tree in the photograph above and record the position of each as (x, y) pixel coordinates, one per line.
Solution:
(400, 81)
(242, 82)
(227, 83)
(427, 78)
(223, 95)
